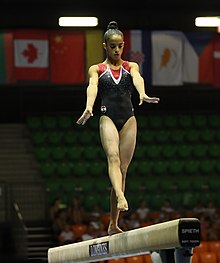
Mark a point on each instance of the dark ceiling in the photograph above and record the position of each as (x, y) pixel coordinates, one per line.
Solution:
(150, 14)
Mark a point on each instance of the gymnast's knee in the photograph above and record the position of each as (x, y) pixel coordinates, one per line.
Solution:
(124, 169)
(113, 159)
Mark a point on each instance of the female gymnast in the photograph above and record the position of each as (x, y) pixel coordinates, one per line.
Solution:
(114, 80)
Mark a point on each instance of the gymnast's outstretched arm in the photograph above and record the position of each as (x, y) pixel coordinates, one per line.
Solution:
(91, 94)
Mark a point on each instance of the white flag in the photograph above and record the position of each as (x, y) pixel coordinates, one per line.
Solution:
(167, 58)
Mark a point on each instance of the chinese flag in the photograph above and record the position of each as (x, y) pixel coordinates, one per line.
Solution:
(67, 57)
(31, 54)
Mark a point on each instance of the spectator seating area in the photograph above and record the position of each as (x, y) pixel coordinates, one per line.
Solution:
(176, 157)
(207, 252)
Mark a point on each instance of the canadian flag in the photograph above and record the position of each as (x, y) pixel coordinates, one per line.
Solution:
(31, 55)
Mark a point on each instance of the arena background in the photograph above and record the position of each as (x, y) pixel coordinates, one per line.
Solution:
(23, 100)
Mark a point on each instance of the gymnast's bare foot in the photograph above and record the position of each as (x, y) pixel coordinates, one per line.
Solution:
(114, 230)
(122, 203)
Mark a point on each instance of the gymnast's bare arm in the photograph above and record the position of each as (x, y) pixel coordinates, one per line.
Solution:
(139, 84)
(91, 92)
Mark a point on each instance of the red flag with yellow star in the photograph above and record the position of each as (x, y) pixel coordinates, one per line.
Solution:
(31, 54)
(67, 57)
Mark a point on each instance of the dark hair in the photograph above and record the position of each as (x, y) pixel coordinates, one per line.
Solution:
(112, 29)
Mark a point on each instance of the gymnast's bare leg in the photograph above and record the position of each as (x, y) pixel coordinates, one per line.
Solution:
(119, 148)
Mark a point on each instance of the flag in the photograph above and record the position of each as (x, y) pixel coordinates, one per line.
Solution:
(31, 53)
(198, 57)
(137, 49)
(167, 58)
(94, 48)
(6, 58)
(216, 61)
(67, 57)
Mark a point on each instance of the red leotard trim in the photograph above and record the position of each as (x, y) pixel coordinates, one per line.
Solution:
(116, 73)
(102, 68)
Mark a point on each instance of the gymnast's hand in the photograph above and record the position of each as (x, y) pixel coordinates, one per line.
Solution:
(85, 116)
(148, 99)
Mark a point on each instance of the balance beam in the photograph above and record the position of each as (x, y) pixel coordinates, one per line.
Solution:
(183, 232)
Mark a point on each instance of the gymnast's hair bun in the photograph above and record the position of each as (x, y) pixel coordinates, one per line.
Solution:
(112, 25)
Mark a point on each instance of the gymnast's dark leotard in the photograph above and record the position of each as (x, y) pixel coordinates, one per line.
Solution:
(115, 90)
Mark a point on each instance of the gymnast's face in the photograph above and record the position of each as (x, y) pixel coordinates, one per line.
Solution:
(114, 47)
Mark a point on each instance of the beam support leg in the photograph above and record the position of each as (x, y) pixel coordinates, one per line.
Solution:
(183, 255)
(178, 255)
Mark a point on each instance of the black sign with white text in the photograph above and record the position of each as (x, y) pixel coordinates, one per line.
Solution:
(189, 232)
(99, 249)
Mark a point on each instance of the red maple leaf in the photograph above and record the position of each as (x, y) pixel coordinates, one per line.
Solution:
(30, 52)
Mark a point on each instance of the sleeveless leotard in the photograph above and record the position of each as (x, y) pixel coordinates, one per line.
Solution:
(115, 89)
